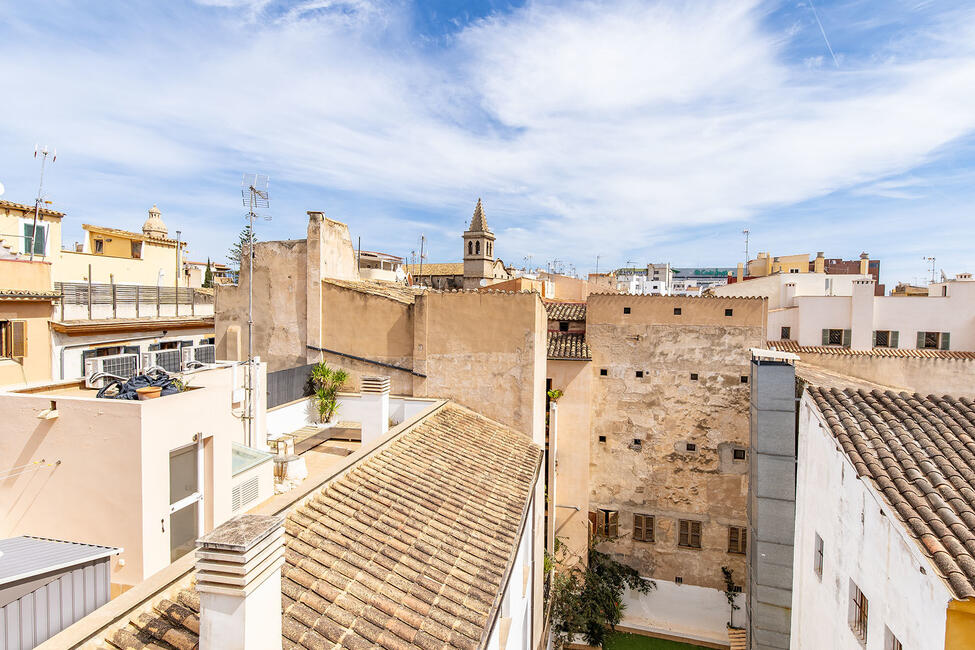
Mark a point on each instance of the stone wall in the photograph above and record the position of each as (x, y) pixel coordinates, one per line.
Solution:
(915, 374)
(691, 392)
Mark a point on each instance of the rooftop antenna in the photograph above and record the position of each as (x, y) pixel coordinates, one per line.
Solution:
(254, 195)
(745, 233)
(930, 259)
(423, 256)
(40, 195)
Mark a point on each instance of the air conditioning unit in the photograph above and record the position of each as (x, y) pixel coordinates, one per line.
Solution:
(169, 360)
(120, 365)
(201, 353)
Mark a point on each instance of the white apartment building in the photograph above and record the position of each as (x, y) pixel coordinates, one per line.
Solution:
(695, 281)
(883, 529)
(655, 279)
(816, 309)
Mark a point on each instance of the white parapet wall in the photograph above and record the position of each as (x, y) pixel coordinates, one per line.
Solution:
(292, 416)
(683, 611)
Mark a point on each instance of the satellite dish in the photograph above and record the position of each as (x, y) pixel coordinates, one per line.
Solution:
(1, 189)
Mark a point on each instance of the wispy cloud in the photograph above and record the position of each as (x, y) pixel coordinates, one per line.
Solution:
(587, 126)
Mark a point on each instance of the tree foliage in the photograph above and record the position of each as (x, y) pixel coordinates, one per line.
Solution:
(730, 592)
(208, 276)
(327, 383)
(588, 600)
(239, 249)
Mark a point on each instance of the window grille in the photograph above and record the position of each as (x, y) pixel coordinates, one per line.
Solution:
(859, 608)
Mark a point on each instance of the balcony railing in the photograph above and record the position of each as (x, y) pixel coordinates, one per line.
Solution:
(81, 300)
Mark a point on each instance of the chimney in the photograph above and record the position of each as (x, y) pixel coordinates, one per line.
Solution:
(238, 576)
(864, 264)
(375, 402)
(741, 271)
(819, 265)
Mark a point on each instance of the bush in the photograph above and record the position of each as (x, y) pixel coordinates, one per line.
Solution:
(327, 383)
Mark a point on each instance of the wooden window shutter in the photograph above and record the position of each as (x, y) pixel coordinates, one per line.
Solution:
(638, 528)
(825, 337)
(684, 535)
(593, 524)
(733, 539)
(945, 337)
(920, 340)
(696, 534)
(894, 336)
(613, 523)
(18, 339)
(847, 338)
(874, 344)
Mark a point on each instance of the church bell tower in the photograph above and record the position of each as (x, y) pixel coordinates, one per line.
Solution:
(478, 251)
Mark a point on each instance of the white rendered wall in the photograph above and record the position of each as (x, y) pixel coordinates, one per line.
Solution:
(806, 284)
(685, 611)
(295, 415)
(517, 602)
(863, 541)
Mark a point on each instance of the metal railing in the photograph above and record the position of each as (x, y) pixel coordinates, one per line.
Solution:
(130, 299)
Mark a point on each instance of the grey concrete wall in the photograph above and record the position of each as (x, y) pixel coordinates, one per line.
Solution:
(771, 503)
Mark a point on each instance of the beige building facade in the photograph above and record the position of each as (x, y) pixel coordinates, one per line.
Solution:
(27, 305)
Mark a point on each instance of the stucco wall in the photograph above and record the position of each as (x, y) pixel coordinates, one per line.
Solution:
(863, 541)
(665, 409)
(12, 223)
(156, 266)
(36, 365)
(922, 375)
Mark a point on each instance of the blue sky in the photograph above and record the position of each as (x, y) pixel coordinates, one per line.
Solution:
(635, 131)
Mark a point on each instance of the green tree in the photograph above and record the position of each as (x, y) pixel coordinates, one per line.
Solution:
(327, 382)
(239, 249)
(208, 276)
(588, 600)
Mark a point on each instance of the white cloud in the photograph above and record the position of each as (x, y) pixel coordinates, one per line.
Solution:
(586, 126)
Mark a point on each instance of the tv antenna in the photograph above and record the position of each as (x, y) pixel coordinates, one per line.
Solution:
(932, 260)
(745, 233)
(254, 194)
(40, 195)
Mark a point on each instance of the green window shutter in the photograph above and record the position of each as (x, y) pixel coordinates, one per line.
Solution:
(945, 337)
(825, 337)
(40, 243)
(894, 336)
(847, 338)
(874, 344)
(27, 237)
(920, 340)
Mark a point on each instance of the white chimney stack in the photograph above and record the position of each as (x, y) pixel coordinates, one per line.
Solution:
(238, 576)
(375, 402)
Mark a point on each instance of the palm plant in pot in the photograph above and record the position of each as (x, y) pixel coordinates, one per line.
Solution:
(327, 383)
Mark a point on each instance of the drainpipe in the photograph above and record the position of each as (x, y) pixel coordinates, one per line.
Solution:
(82, 345)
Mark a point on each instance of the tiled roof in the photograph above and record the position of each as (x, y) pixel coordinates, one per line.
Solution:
(28, 294)
(793, 346)
(919, 453)
(568, 345)
(392, 290)
(128, 234)
(566, 310)
(29, 208)
(408, 549)
(443, 268)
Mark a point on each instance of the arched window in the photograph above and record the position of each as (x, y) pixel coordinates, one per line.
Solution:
(489, 249)
(470, 248)
(477, 248)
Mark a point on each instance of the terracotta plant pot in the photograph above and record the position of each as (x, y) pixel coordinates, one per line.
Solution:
(148, 392)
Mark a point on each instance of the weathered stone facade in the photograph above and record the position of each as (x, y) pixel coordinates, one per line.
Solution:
(692, 357)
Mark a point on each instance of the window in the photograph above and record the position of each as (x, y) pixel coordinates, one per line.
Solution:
(678, 580)
(693, 376)
(136, 250)
(637, 443)
(40, 243)
(837, 337)
(885, 339)
(785, 333)
(676, 311)
(859, 607)
(607, 523)
(564, 326)
(477, 248)
(470, 248)
(689, 533)
(626, 310)
(793, 270)
(729, 312)
(738, 454)
(737, 536)
(744, 379)
(933, 340)
(643, 528)
(818, 557)
(890, 641)
(99, 246)
(690, 446)
(639, 374)
(602, 438)
(13, 339)
(603, 372)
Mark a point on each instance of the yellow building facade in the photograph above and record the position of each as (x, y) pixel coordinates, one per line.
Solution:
(26, 307)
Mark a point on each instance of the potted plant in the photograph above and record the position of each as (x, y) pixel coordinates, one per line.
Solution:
(327, 383)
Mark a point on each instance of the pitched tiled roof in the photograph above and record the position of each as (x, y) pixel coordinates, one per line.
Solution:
(568, 345)
(29, 208)
(566, 310)
(408, 549)
(793, 346)
(442, 268)
(28, 294)
(392, 290)
(128, 234)
(919, 453)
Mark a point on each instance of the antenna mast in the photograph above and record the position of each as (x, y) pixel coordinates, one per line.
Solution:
(40, 197)
(745, 233)
(254, 194)
(930, 259)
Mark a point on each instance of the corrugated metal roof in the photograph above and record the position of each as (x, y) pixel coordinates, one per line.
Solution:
(25, 556)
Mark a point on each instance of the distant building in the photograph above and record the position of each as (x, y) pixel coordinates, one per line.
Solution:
(655, 279)
(381, 266)
(765, 265)
(691, 281)
(194, 273)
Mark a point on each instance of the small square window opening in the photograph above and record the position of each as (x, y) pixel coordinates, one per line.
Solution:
(785, 333)
(626, 310)
(744, 379)
(603, 372)
(639, 373)
(691, 446)
(602, 438)
(738, 454)
(729, 312)
(563, 326)
(676, 311)
(693, 376)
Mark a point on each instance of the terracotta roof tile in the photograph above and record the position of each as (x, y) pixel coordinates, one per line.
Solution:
(442, 268)
(408, 549)
(28, 294)
(29, 208)
(919, 453)
(794, 347)
(572, 311)
(568, 345)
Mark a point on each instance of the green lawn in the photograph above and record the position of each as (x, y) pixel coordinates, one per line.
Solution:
(626, 641)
